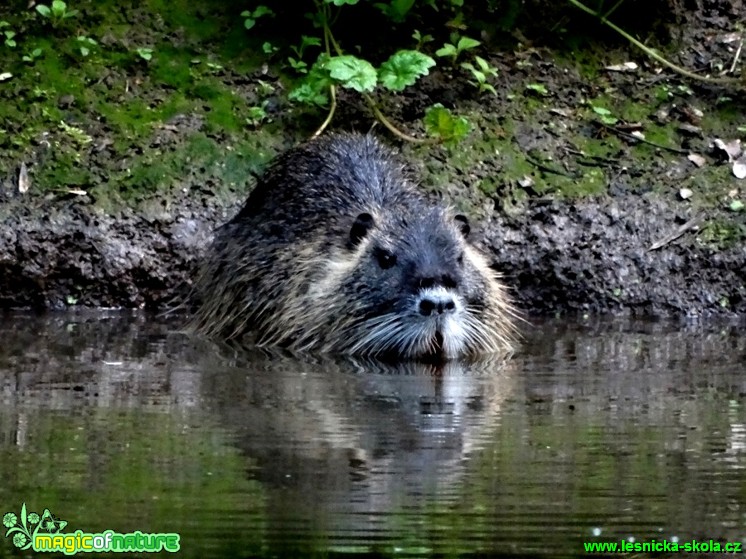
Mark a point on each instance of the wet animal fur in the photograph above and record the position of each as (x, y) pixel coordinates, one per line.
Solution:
(331, 252)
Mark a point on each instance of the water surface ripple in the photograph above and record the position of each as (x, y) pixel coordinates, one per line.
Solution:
(594, 431)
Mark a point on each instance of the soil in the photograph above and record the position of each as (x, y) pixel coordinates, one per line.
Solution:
(132, 163)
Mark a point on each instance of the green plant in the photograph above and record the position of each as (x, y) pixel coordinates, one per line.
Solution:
(257, 114)
(305, 42)
(480, 74)
(456, 47)
(8, 34)
(250, 16)
(421, 39)
(538, 88)
(32, 56)
(340, 69)
(57, 12)
(145, 53)
(269, 48)
(395, 10)
(442, 124)
(76, 134)
(404, 68)
(86, 44)
(264, 88)
(298, 65)
(605, 115)
(334, 68)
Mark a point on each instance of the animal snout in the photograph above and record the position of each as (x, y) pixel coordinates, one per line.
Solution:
(436, 303)
(444, 280)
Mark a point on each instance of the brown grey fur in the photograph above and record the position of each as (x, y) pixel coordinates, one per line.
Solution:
(335, 250)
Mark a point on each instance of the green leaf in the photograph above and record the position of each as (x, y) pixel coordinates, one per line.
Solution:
(488, 87)
(306, 41)
(403, 68)
(262, 11)
(298, 65)
(248, 23)
(306, 93)
(600, 110)
(352, 72)
(485, 66)
(396, 10)
(36, 53)
(446, 50)
(539, 88)
(314, 88)
(84, 51)
(44, 10)
(441, 123)
(58, 8)
(466, 43)
(144, 53)
(478, 75)
(736, 206)
(71, 13)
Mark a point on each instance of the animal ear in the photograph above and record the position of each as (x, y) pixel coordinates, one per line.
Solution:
(462, 222)
(360, 228)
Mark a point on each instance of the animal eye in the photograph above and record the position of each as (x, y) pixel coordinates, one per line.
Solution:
(363, 223)
(386, 259)
(460, 258)
(462, 222)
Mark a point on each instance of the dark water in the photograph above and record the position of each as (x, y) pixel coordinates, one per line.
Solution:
(595, 431)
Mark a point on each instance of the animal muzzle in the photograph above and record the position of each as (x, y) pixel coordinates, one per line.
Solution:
(436, 301)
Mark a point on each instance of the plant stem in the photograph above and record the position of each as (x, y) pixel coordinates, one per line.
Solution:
(328, 39)
(329, 43)
(330, 115)
(650, 52)
(388, 124)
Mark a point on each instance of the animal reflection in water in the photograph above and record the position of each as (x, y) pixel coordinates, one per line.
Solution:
(359, 436)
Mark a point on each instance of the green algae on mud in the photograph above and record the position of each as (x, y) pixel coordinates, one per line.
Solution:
(121, 101)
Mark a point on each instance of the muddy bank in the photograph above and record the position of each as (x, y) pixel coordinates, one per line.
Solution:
(592, 255)
(575, 168)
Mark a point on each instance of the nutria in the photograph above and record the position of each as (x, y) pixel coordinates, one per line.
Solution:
(335, 250)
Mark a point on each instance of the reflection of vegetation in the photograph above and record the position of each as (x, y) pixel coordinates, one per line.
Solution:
(132, 470)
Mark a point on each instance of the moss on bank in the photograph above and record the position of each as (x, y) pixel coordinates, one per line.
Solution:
(122, 125)
(108, 119)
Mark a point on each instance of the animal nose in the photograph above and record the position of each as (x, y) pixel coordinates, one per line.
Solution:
(437, 304)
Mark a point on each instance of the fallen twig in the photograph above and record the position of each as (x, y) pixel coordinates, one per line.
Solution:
(694, 222)
(643, 140)
(651, 53)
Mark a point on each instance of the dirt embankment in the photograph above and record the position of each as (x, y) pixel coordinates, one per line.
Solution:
(582, 177)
